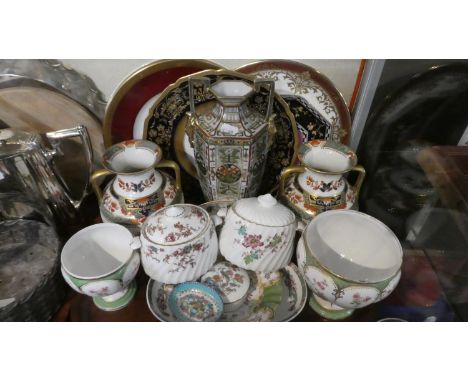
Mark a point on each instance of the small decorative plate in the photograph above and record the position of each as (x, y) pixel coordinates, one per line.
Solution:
(318, 107)
(194, 301)
(129, 104)
(277, 296)
(230, 281)
(166, 121)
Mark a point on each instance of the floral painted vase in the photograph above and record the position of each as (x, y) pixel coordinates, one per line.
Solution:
(319, 184)
(137, 189)
(195, 302)
(179, 244)
(258, 234)
(335, 297)
(230, 139)
(101, 261)
(230, 281)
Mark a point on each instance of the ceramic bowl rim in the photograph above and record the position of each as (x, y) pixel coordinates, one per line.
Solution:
(138, 143)
(207, 290)
(309, 250)
(90, 228)
(354, 159)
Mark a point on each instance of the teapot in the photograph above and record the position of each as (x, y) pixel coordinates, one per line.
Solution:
(30, 181)
(230, 138)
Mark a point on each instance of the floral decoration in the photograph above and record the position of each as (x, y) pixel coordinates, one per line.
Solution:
(180, 259)
(359, 300)
(256, 245)
(137, 187)
(324, 186)
(197, 306)
(226, 280)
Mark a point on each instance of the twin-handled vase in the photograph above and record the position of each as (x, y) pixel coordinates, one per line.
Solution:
(138, 188)
(319, 183)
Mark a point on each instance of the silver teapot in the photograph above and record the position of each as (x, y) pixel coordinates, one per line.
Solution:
(31, 183)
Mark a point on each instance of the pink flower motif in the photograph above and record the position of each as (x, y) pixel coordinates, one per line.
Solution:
(252, 241)
(171, 237)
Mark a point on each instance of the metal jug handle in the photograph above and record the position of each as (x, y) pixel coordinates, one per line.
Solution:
(270, 84)
(79, 131)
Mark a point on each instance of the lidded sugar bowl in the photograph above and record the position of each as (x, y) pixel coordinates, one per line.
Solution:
(258, 234)
(178, 244)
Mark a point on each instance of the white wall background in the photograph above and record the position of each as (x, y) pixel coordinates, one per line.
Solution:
(107, 74)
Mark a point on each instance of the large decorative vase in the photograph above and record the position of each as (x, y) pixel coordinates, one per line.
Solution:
(318, 184)
(349, 260)
(230, 138)
(137, 189)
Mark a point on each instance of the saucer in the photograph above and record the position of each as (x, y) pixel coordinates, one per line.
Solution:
(277, 296)
(295, 200)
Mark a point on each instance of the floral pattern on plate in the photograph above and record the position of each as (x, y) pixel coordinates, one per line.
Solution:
(195, 302)
(230, 281)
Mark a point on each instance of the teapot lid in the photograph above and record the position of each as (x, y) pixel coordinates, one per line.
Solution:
(264, 210)
(175, 224)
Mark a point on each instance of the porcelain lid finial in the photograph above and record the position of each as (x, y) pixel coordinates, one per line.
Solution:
(267, 200)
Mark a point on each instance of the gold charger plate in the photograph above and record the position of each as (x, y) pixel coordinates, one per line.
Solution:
(166, 121)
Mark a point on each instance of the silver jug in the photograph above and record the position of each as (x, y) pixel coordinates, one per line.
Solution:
(30, 182)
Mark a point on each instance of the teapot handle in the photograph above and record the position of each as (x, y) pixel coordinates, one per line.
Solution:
(285, 175)
(166, 163)
(79, 131)
(357, 186)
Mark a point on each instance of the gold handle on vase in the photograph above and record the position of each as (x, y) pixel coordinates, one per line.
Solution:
(357, 186)
(166, 163)
(93, 180)
(285, 175)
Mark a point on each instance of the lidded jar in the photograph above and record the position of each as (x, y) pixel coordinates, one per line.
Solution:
(178, 244)
(258, 234)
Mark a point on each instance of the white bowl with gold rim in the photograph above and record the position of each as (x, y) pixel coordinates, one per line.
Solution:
(349, 260)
